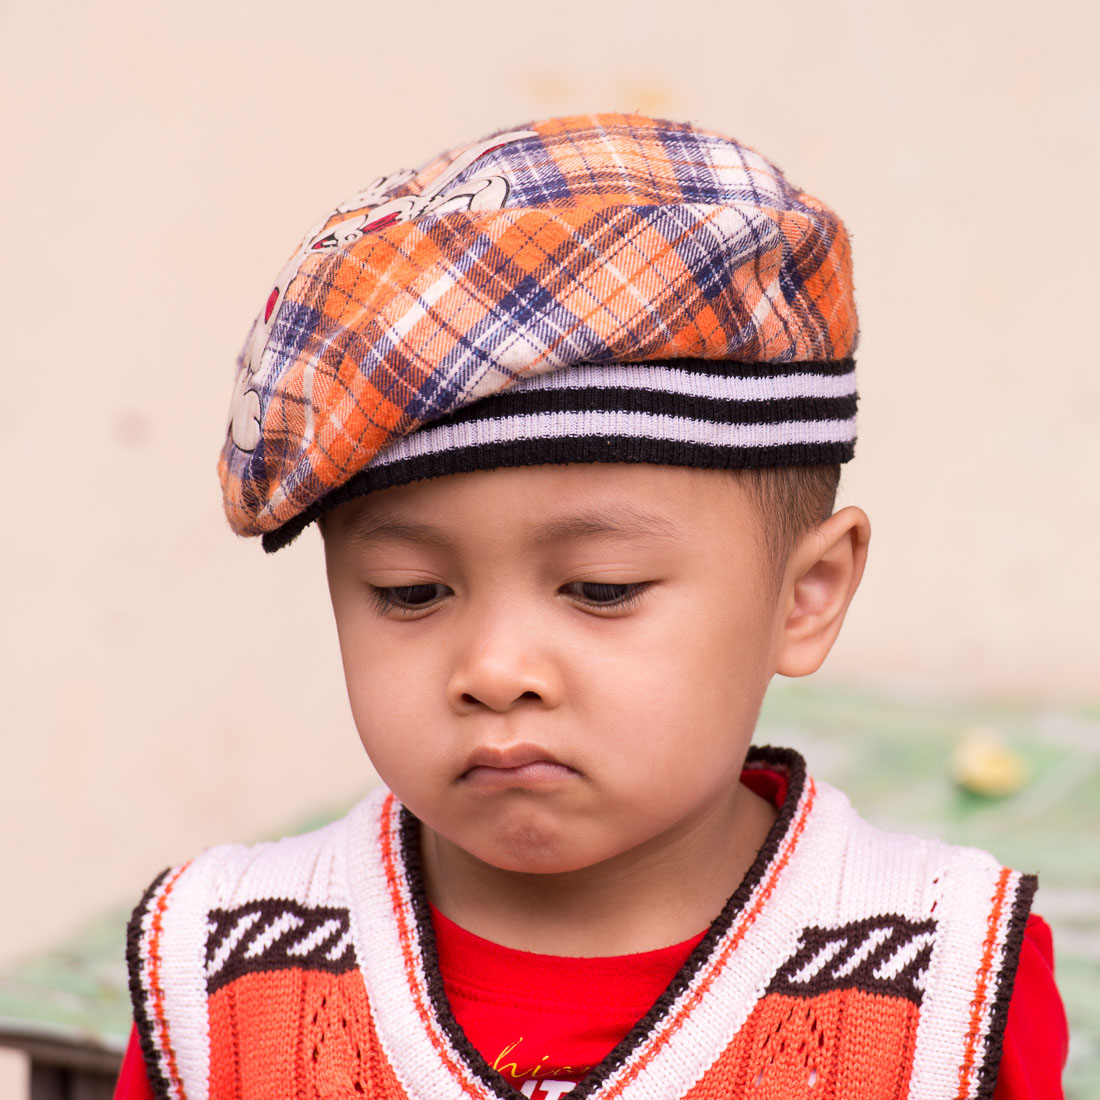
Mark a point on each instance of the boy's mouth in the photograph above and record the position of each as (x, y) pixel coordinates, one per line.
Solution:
(492, 768)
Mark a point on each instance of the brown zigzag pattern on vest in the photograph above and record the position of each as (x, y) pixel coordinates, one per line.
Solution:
(887, 955)
(276, 934)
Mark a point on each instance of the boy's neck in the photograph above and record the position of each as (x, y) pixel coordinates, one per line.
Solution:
(655, 896)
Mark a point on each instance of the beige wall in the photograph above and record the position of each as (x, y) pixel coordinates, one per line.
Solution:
(166, 686)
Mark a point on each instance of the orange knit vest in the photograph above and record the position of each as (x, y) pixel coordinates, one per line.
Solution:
(850, 963)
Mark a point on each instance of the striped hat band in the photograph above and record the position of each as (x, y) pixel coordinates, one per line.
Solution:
(681, 412)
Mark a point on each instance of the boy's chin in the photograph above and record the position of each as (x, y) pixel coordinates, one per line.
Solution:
(530, 847)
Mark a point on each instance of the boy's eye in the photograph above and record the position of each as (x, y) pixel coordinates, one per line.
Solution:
(605, 595)
(408, 597)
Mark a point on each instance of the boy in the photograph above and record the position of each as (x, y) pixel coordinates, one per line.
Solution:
(569, 405)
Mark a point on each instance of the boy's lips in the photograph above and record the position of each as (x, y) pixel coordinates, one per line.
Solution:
(492, 768)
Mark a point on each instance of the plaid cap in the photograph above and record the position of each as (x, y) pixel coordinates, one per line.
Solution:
(601, 288)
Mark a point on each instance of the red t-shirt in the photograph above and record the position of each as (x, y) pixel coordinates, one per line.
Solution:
(543, 1020)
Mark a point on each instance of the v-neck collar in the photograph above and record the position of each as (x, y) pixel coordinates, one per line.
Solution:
(395, 944)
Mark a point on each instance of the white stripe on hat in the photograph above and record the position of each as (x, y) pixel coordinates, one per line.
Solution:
(643, 376)
(588, 423)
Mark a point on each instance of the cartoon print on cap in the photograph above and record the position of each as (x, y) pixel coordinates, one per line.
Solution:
(373, 213)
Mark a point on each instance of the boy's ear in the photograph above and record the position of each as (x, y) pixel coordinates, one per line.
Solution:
(821, 578)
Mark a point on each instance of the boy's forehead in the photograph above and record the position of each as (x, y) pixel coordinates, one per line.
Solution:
(547, 505)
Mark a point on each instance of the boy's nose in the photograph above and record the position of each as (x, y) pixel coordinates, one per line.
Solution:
(503, 670)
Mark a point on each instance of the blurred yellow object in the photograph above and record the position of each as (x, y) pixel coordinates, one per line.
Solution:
(983, 764)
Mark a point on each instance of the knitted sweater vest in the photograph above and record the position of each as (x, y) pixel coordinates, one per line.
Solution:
(851, 963)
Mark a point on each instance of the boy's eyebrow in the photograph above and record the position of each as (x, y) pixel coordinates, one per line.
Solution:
(365, 528)
(620, 522)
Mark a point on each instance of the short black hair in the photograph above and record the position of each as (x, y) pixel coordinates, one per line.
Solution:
(791, 499)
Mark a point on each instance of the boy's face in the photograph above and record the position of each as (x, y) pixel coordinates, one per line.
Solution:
(554, 665)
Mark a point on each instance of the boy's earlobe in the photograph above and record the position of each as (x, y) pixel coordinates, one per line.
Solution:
(823, 574)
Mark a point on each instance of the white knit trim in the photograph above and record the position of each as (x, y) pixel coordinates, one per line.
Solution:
(162, 1030)
(565, 425)
(391, 989)
(772, 935)
(183, 971)
(952, 979)
(666, 379)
